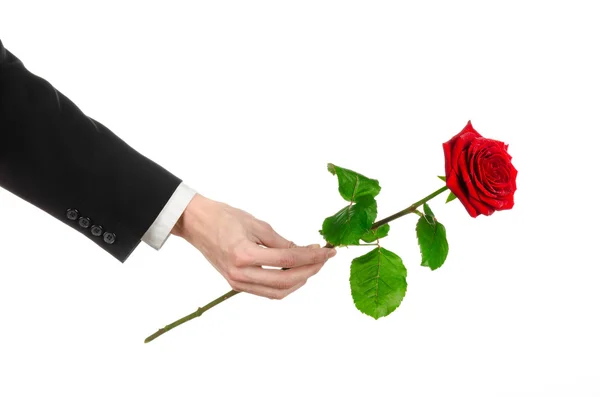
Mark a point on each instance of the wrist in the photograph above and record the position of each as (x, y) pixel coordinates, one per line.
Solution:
(193, 214)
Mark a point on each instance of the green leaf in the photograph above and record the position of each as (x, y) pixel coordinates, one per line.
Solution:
(451, 197)
(378, 282)
(375, 234)
(443, 178)
(349, 224)
(431, 235)
(427, 210)
(353, 185)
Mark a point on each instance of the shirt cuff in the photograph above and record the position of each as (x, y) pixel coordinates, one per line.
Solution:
(160, 230)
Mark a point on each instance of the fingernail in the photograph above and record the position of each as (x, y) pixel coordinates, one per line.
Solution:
(332, 253)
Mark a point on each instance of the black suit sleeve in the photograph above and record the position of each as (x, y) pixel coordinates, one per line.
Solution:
(73, 167)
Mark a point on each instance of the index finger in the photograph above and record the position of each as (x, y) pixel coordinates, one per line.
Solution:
(290, 257)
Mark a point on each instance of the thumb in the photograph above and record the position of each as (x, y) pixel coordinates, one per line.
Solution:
(313, 246)
(270, 238)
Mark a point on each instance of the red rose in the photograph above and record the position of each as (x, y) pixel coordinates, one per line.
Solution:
(479, 172)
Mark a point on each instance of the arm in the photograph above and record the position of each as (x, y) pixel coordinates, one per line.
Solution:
(73, 167)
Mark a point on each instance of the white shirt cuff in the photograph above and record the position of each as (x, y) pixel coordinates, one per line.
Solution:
(160, 230)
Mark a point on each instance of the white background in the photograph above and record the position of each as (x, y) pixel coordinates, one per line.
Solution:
(247, 101)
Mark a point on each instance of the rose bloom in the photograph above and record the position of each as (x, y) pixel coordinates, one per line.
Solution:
(479, 172)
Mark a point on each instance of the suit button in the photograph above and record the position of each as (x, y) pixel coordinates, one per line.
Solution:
(72, 214)
(84, 222)
(109, 238)
(96, 230)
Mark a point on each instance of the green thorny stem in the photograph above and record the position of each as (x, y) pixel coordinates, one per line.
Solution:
(408, 210)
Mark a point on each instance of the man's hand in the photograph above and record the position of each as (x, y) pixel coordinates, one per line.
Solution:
(232, 240)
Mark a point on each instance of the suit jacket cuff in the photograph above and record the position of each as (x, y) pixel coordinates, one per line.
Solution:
(160, 230)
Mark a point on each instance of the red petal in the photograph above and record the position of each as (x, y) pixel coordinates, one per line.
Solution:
(482, 207)
(469, 127)
(450, 146)
(462, 144)
(509, 203)
(455, 185)
(447, 165)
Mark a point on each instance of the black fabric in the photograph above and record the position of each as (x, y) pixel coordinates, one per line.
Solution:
(56, 158)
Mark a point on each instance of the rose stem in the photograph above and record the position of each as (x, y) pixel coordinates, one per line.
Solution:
(410, 209)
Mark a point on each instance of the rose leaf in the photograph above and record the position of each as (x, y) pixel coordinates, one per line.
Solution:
(353, 185)
(378, 282)
(431, 235)
(349, 224)
(375, 234)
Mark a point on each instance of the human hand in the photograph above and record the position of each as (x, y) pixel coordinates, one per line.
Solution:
(232, 240)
